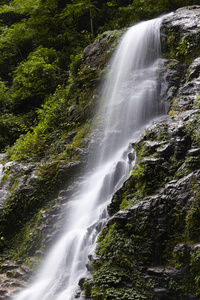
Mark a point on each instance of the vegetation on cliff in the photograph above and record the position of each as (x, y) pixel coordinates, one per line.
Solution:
(49, 89)
(40, 46)
(153, 232)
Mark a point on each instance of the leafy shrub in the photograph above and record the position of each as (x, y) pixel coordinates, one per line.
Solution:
(15, 44)
(194, 268)
(11, 127)
(4, 99)
(51, 115)
(117, 274)
(34, 79)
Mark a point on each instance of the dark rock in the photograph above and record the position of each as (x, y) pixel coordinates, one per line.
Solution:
(14, 276)
(180, 247)
(155, 271)
(120, 217)
(162, 293)
(182, 83)
(97, 53)
(81, 282)
(89, 268)
(192, 297)
(90, 284)
(65, 193)
(187, 94)
(93, 257)
(185, 20)
(194, 152)
(194, 69)
(8, 265)
(172, 76)
(173, 273)
(153, 161)
(3, 292)
(70, 137)
(77, 294)
(40, 253)
(165, 151)
(131, 156)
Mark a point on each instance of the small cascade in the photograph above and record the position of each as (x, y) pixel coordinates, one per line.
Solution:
(1, 171)
(130, 99)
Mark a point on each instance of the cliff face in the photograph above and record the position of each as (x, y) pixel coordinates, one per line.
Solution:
(150, 248)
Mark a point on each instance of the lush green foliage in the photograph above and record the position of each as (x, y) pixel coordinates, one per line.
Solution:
(120, 254)
(193, 127)
(38, 42)
(34, 79)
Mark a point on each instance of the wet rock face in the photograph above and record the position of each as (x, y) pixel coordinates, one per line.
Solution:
(159, 212)
(181, 46)
(162, 195)
(24, 188)
(14, 276)
(185, 20)
(97, 54)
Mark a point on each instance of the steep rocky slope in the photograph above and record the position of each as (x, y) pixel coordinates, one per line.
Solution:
(150, 248)
(157, 237)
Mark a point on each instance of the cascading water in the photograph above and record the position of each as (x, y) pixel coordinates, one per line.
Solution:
(130, 100)
(1, 171)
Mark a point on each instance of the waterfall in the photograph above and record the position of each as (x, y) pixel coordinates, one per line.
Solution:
(130, 99)
(1, 171)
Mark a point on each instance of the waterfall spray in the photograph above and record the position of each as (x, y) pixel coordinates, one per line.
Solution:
(130, 99)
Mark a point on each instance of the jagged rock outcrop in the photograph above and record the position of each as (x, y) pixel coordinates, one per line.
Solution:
(153, 231)
(160, 212)
(180, 44)
(14, 276)
(97, 54)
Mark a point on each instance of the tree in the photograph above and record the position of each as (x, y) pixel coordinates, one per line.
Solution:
(34, 79)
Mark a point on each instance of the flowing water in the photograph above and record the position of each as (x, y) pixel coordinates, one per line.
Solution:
(129, 101)
(1, 171)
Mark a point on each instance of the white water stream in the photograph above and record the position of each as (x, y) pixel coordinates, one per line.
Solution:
(1, 171)
(130, 101)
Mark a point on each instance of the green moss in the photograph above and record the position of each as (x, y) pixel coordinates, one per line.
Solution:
(183, 49)
(22, 204)
(5, 176)
(112, 39)
(24, 243)
(86, 289)
(197, 102)
(187, 261)
(184, 227)
(190, 164)
(193, 127)
(120, 252)
(188, 47)
(174, 107)
(131, 200)
(170, 42)
(192, 219)
(194, 269)
(158, 133)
